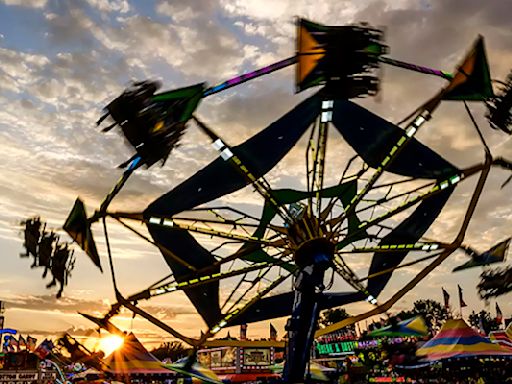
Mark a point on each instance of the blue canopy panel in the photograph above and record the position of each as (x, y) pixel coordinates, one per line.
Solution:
(372, 138)
(260, 154)
(408, 231)
(281, 305)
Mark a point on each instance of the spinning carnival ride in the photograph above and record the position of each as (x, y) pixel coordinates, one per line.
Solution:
(301, 235)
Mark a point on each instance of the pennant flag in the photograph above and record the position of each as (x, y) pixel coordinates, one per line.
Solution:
(495, 254)
(273, 332)
(31, 343)
(462, 303)
(22, 342)
(472, 80)
(499, 314)
(7, 346)
(481, 328)
(446, 298)
(11, 343)
(79, 228)
(44, 349)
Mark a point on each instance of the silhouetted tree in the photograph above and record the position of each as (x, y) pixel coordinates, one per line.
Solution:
(331, 316)
(489, 323)
(173, 350)
(433, 312)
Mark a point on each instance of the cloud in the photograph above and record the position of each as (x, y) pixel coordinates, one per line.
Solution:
(52, 93)
(121, 6)
(73, 305)
(27, 3)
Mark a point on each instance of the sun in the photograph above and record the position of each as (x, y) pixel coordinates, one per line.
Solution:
(110, 343)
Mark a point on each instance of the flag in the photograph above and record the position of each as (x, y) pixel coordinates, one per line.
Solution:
(14, 343)
(446, 297)
(79, 228)
(243, 331)
(273, 332)
(44, 348)
(462, 303)
(22, 343)
(499, 314)
(10, 343)
(31, 343)
(481, 325)
(508, 331)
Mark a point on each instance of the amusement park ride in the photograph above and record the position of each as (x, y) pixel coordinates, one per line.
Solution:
(301, 234)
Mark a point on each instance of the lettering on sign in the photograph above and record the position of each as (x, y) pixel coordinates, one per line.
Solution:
(19, 377)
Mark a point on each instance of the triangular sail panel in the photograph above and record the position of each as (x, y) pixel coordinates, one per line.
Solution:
(495, 254)
(79, 228)
(309, 52)
(472, 80)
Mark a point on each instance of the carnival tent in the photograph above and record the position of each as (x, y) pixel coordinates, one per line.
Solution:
(133, 359)
(458, 340)
(414, 326)
(503, 338)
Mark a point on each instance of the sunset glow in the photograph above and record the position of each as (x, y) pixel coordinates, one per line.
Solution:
(110, 343)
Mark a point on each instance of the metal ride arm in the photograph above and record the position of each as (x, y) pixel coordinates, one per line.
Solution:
(136, 162)
(486, 166)
(453, 180)
(317, 174)
(237, 80)
(153, 320)
(260, 184)
(423, 115)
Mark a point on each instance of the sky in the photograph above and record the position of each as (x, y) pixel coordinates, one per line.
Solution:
(61, 62)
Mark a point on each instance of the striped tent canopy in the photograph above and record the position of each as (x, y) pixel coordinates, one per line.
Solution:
(503, 338)
(458, 340)
(132, 359)
(413, 327)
